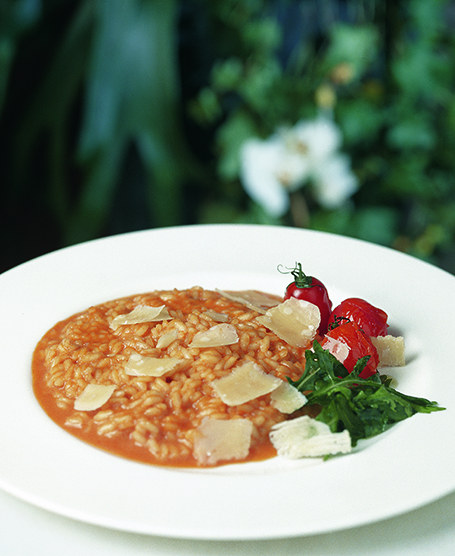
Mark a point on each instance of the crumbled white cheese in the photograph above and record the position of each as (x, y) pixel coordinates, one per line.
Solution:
(246, 382)
(222, 440)
(140, 365)
(93, 397)
(306, 437)
(295, 321)
(167, 338)
(287, 399)
(337, 348)
(141, 313)
(391, 350)
(218, 335)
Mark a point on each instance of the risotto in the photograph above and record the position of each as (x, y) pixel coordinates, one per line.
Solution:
(142, 377)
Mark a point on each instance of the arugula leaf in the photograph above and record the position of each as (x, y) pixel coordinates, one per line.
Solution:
(365, 407)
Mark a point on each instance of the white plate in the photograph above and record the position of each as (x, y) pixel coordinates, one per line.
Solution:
(408, 467)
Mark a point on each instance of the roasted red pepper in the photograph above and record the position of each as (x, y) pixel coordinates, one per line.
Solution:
(312, 290)
(359, 344)
(371, 319)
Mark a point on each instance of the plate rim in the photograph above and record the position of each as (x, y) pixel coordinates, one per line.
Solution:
(128, 237)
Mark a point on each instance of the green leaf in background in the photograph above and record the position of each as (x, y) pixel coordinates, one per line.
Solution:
(16, 17)
(375, 224)
(227, 74)
(231, 137)
(360, 120)
(216, 212)
(6, 57)
(258, 84)
(414, 132)
(49, 115)
(418, 70)
(132, 95)
(353, 45)
(123, 56)
(150, 101)
(411, 177)
(263, 35)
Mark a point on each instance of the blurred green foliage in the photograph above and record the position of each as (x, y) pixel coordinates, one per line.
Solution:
(117, 115)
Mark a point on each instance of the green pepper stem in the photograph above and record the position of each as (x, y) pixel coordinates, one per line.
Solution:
(301, 280)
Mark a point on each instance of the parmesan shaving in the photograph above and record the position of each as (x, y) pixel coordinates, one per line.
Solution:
(140, 365)
(295, 321)
(306, 437)
(255, 300)
(287, 399)
(245, 383)
(93, 397)
(391, 350)
(167, 338)
(218, 335)
(140, 314)
(222, 440)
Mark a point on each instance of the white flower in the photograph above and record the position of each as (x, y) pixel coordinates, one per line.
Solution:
(269, 171)
(334, 182)
(290, 158)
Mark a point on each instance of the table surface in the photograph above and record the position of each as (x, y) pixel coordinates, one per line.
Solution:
(25, 529)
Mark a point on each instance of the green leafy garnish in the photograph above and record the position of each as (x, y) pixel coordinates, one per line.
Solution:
(363, 406)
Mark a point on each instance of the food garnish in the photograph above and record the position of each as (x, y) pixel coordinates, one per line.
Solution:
(295, 321)
(309, 289)
(358, 345)
(221, 440)
(307, 437)
(365, 407)
(245, 383)
(371, 319)
(391, 350)
(201, 377)
(140, 314)
(341, 381)
(93, 397)
(141, 365)
(218, 335)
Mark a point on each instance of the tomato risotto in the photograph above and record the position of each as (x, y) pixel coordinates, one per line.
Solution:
(148, 377)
